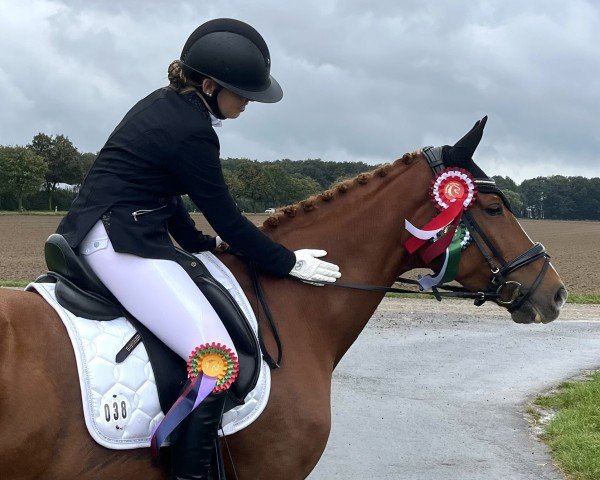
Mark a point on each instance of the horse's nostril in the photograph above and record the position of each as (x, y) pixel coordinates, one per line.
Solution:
(561, 297)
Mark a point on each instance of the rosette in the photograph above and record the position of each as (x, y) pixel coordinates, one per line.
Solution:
(452, 191)
(214, 360)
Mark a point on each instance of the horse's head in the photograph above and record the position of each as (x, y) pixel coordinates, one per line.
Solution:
(500, 261)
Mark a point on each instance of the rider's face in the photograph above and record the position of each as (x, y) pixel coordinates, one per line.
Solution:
(231, 104)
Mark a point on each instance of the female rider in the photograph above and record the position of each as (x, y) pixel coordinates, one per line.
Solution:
(130, 202)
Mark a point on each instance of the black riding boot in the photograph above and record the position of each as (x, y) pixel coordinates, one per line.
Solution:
(194, 440)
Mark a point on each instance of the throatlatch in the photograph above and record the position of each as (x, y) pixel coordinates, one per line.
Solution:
(453, 191)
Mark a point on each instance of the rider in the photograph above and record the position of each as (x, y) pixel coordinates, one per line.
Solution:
(130, 201)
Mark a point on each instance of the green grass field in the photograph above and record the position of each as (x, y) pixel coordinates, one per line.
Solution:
(14, 283)
(573, 433)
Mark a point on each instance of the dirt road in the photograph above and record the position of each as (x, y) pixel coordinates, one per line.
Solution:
(438, 392)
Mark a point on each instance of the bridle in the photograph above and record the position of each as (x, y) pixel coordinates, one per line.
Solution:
(508, 293)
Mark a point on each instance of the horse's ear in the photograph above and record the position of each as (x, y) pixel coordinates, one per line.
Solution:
(463, 150)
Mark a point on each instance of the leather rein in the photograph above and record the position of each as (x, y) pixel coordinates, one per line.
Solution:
(508, 293)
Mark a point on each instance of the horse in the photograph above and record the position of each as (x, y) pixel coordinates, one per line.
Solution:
(361, 224)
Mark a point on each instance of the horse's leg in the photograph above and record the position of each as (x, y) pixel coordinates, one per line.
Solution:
(288, 439)
(42, 430)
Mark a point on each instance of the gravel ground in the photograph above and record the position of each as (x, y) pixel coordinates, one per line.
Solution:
(444, 392)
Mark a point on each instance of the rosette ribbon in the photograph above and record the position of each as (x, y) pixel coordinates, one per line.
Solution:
(211, 368)
(452, 192)
(198, 389)
(449, 268)
(431, 229)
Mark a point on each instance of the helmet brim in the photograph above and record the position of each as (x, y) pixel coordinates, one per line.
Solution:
(272, 94)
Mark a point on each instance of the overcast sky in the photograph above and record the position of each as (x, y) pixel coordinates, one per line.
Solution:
(363, 80)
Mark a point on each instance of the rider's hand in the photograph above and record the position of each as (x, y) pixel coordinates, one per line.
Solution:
(220, 245)
(310, 269)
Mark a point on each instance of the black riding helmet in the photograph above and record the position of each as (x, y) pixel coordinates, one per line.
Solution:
(235, 56)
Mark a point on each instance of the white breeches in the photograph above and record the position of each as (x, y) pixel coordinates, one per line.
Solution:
(159, 293)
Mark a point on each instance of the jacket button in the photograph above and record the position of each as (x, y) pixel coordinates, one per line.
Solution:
(193, 264)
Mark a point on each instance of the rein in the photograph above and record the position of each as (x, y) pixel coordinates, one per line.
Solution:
(451, 290)
(507, 293)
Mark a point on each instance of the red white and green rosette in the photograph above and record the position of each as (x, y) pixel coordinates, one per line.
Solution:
(452, 191)
(452, 255)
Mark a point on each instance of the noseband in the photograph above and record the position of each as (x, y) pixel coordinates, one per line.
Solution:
(508, 293)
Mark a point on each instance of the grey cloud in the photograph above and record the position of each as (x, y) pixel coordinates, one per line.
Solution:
(362, 80)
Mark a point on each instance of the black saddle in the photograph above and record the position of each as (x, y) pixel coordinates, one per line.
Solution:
(80, 291)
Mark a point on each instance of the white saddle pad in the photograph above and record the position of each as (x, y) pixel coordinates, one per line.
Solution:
(120, 400)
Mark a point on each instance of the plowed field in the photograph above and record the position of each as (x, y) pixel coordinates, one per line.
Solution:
(574, 247)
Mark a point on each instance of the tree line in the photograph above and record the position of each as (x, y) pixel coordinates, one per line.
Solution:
(43, 175)
(46, 174)
(555, 197)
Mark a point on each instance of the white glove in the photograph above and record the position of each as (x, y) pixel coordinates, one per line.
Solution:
(310, 269)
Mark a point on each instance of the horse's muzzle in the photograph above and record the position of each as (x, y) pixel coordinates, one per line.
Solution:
(544, 310)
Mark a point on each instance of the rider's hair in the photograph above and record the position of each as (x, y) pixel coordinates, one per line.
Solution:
(178, 80)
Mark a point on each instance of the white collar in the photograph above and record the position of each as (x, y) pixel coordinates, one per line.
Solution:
(215, 121)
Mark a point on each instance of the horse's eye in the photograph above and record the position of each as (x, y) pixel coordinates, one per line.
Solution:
(494, 210)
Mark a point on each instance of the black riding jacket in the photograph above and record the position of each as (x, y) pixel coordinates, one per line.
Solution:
(166, 147)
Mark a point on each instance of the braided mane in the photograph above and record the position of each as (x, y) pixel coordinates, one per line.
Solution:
(341, 188)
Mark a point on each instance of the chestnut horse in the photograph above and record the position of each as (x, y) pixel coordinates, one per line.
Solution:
(361, 225)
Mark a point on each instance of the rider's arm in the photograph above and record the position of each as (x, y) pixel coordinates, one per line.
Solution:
(197, 167)
(184, 231)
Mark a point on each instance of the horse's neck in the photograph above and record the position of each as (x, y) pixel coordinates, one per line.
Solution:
(362, 231)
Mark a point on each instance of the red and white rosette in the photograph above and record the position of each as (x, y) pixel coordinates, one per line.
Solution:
(452, 192)
(453, 185)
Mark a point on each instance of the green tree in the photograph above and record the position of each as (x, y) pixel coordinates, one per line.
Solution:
(233, 182)
(278, 184)
(324, 173)
(63, 160)
(253, 182)
(21, 172)
(558, 201)
(301, 187)
(87, 159)
(515, 200)
(505, 183)
(532, 192)
(283, 188)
